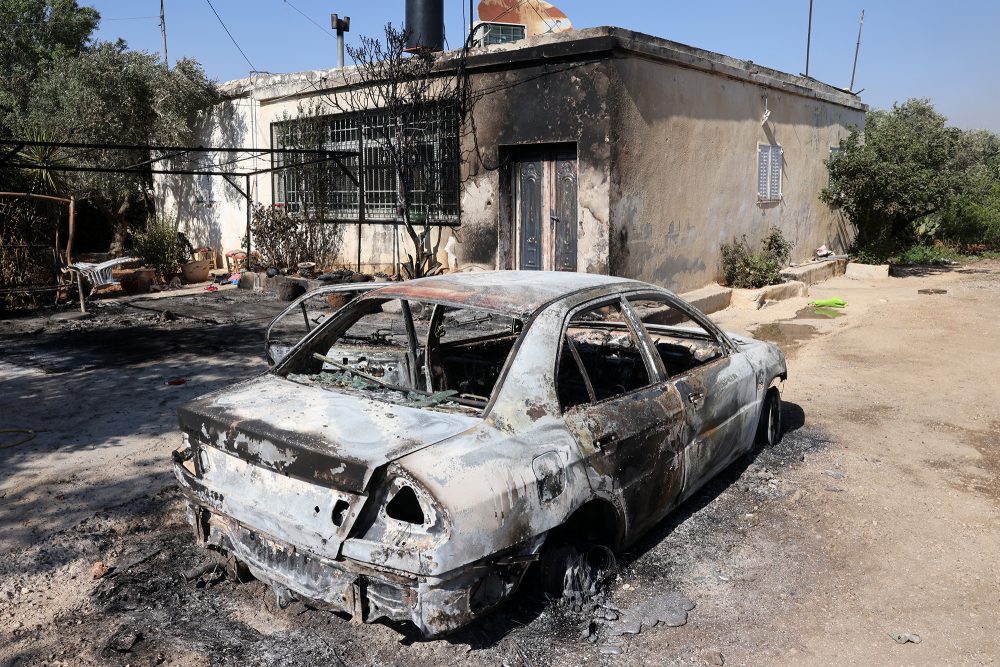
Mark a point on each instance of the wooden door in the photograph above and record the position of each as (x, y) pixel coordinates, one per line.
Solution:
(545, 210)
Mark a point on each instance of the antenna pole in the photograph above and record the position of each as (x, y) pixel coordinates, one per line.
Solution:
(471, 20)
(341, 25)
(809, 31)
(857, 47)
(163, 31)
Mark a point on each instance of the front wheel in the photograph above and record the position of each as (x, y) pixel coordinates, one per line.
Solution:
(769, 428)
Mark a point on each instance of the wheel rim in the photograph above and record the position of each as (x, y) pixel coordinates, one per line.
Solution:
(774, 421)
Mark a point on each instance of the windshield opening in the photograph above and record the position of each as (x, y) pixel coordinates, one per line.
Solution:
(419, 354)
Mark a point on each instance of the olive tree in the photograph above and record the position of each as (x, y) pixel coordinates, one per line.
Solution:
(111, 95)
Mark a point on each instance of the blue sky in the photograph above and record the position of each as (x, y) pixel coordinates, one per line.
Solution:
(947, 51)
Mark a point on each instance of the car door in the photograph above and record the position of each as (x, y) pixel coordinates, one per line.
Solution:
(306, 313)
(713, 379)
(628, 420)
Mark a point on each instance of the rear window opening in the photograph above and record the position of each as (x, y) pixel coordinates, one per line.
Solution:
(423, 355)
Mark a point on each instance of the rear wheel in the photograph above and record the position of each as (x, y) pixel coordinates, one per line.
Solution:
(769, 428)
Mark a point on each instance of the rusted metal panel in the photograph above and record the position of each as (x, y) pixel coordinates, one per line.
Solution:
(509, 292)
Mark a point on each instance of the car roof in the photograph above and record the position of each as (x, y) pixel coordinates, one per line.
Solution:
(516, 293)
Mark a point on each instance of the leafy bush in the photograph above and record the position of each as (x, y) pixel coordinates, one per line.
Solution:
(745, 268)
(157, 246)
(933, 254)
(969, 223)
(284, 240)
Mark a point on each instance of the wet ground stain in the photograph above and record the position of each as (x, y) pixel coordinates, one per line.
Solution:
(818, 313)
(784, 334)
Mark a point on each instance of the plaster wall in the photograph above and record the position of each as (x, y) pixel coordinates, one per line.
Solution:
(560, 103)
(210, 211)
(684, 164)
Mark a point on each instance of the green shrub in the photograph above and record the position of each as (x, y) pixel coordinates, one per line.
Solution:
(157, 246)
(969, 223)
(933, 255)
(283, 240)
(745, 268)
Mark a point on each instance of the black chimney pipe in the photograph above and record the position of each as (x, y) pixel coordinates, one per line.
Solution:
(424, 25)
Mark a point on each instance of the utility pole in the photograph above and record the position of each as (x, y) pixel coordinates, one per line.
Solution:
(809, 32)
(857, 47)
(163, 31)
(341, 25)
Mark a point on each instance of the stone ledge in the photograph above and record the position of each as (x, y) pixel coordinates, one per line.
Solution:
(756, 298)
(710, 298)
(858, 271)
(815, 272)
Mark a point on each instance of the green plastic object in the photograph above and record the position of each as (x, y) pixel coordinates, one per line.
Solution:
(830, 303)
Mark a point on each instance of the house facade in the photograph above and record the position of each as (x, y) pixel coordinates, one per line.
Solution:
(599, 150)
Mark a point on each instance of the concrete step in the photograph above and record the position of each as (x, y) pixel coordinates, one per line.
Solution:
(866, 271)
(756, 298)
(710, 298)
(815, 272)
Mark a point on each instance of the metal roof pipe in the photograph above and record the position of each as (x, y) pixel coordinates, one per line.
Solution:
(424, 25)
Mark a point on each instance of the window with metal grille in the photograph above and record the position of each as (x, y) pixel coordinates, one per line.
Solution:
(501, 33)
(768, 172)
(431, 168)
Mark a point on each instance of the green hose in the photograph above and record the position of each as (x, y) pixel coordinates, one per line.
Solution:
(28, 436)
(829, 303)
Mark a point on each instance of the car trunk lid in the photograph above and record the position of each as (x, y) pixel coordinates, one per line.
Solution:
(319, 435)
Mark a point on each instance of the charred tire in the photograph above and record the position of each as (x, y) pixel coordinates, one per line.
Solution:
(769, 428)
(594, 562)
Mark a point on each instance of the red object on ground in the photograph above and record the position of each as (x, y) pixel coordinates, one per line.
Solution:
(212, 288)
(173, 382)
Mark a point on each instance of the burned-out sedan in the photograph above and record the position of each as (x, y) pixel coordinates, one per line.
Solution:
(420, 447)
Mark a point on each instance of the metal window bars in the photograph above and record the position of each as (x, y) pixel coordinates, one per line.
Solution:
(431, 168)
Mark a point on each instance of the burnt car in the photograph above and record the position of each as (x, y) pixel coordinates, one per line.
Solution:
(414, 451)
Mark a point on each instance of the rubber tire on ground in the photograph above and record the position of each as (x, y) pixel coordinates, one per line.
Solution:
(769, 428)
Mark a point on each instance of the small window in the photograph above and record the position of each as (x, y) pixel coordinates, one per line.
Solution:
(769, 172)
(500, 33)
(600, 358)
(682, 343)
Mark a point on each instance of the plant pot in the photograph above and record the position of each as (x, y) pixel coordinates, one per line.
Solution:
(196, 271)
(141, 280)
(338, 300)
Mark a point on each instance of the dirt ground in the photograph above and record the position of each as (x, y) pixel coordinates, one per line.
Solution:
(876, 515)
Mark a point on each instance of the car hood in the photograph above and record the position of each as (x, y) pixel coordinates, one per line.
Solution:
(335, 439)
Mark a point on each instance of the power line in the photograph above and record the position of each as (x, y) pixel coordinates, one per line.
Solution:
(235, 43)
(308, 18)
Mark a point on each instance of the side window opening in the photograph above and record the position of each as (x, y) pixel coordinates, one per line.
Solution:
(682, 343)
(469, 349)
(600, 358)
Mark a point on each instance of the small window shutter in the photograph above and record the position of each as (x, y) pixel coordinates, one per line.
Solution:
(763, 163)
(775, 173)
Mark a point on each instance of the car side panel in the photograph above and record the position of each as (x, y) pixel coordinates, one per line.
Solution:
(721, 407)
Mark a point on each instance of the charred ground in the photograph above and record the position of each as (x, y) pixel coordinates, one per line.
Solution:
(813, 552)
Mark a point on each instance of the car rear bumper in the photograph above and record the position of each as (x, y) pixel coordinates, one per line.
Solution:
(435, 605)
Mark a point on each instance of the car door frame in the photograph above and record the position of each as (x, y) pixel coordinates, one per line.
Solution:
(694, 475)
(666, 439)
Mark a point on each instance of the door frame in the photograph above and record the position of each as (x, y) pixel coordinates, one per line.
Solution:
(509, 231)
